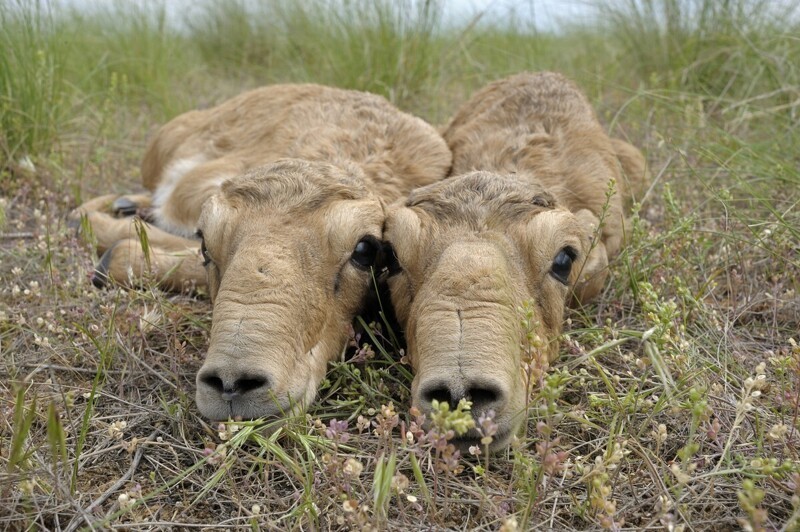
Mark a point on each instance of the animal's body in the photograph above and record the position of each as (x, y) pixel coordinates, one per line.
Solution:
(287, 186)
(525, 219)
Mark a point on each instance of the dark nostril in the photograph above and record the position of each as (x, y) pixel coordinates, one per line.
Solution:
(440, 393)
(213, 382)
(229, 389)
(249, 383)
(483, 397)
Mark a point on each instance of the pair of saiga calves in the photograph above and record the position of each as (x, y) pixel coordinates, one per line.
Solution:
(300, 192)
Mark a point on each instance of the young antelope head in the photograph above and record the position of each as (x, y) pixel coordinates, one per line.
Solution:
(470, 251)
(288, 250)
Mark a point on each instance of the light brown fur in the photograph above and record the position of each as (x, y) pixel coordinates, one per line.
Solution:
(531, 167)
(284, 182)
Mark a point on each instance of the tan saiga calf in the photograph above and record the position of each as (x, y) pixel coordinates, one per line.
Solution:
(285, 185)
(517, 224)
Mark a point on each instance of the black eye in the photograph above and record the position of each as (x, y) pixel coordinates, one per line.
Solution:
(562, 265)
(365, 253)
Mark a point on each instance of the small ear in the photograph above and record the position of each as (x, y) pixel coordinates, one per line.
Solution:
(211, 210)
(594, 272)
(401, 233)
(401, 221)
(592, 276)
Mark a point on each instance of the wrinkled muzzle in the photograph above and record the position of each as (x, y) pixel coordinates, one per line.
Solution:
(257, 367)
(269, 347)
(464, 341)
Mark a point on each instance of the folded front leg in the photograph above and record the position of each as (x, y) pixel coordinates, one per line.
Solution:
(128, 264)
(108, 230)
(110, 217)
(115, 205)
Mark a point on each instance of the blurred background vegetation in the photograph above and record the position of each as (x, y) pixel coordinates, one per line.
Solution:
(64, 69)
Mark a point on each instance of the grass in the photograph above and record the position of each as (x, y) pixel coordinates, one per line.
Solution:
(674, 403)
(31, 77)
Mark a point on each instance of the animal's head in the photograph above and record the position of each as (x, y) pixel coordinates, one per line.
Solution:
(289, 249)
(471, 251)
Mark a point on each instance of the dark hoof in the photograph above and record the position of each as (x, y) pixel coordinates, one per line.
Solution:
(147, 214)
(82, 230)
(123, 207)
(100, 277)
(75, 225)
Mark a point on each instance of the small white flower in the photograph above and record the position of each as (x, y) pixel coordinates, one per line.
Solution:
(117, 429)
(509, 524)
(778, 432)
(400, 483)
(350, 506)
(660, 435)
(125, 501)
(353, 467)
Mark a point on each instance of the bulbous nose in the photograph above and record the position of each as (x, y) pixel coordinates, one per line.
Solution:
(484, 393)
(221, 387)
(231, 387)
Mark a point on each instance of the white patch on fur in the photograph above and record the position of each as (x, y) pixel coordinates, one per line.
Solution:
(172, 175)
